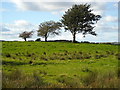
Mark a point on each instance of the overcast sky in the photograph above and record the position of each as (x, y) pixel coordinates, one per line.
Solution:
(20, 15)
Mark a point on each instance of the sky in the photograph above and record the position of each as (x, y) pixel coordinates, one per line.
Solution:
(17, 16)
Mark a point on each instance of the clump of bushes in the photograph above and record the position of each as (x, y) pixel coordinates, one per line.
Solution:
(43, 58)
(100, 56)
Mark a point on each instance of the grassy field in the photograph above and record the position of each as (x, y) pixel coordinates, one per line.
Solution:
(59, 65)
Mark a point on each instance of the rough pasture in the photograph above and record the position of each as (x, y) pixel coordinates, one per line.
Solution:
(59, 64)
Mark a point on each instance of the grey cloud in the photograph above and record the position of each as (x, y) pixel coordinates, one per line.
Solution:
(31, 6)
(54, 6)
(44, 6)
(5, 29)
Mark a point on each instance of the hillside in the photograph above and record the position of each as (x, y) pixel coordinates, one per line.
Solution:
(59, 64)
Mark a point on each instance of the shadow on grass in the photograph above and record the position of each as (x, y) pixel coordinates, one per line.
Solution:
(13, 63)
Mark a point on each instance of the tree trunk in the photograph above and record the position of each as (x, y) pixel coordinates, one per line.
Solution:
(25, 39)
(45, 39)
(74, 37)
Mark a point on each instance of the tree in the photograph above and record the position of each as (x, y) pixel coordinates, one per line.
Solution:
(26, 34)
(49, 28)
(80, 19)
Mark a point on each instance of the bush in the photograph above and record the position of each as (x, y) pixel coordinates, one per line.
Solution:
(7, 55)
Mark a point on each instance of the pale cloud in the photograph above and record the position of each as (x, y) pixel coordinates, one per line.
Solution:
(22, 23)
(98, 7)
(14, 29)
(3, 9)
(116, 5)
(111, 19)
(107, 24)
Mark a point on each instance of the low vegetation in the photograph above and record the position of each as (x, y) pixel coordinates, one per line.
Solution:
(59, 65)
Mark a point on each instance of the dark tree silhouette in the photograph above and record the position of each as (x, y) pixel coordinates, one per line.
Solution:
(80, 19)
(26, 35)
(49, 28)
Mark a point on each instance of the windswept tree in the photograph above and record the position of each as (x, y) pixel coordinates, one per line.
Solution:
(49, 28)
(26, 34)
(80, 19)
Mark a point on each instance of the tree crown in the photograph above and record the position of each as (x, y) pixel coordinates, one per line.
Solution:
(80, 19)
(49, 28)
(26, 34)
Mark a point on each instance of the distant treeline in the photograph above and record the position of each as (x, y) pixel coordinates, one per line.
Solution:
(112, 43)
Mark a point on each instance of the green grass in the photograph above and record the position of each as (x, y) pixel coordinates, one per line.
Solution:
(59, 65)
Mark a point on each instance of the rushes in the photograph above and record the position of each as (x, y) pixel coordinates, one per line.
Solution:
(17, 79)
(66, 56)
(93, 79)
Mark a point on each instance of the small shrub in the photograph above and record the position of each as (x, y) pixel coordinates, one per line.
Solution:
(103, 55)
(43, 72)
(69, 58)
(7, 55)
(62, 58)
(97, 57)
(14, 57)
(54, 53)
(52, 58)
(86, 70)
(16, 54)
(43, 58)
(97, 52)
(108, 52)
(65, 53)
(112, 53)
(30, 62)
(44, 53)
(20, 59)
(80, 53)
(32, 54)
(34, 58)
(87, 57)
(28, 55)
